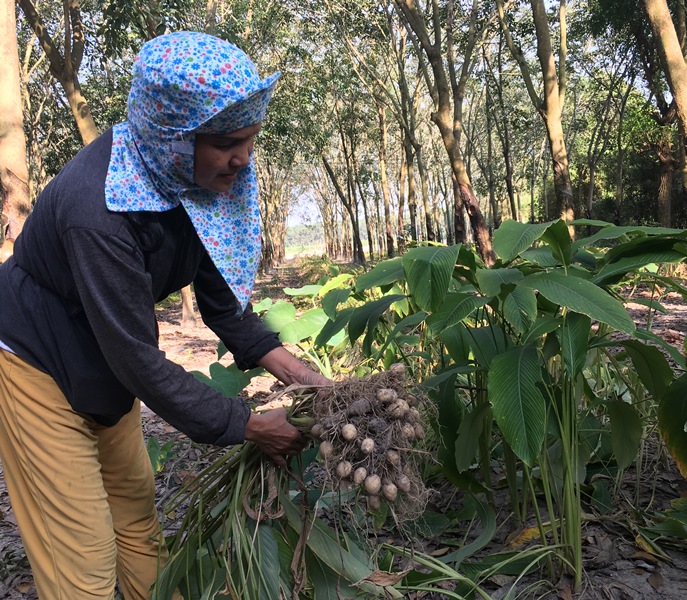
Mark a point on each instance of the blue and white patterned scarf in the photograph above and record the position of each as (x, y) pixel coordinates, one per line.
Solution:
(186, 83)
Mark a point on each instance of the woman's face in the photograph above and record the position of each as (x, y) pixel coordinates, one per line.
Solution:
(219, 158)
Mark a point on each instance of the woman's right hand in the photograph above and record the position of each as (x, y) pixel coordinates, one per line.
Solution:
(275, 435)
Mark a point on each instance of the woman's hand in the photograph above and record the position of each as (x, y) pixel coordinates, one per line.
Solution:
(288, 369)
(275, 435)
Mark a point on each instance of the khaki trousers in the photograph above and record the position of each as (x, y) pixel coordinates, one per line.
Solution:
(83, 495)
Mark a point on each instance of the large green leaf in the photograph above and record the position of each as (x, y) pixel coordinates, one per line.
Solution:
(266, 562)
(519, 407)
(308, 325)
(486, 343)
(491, 280)
(581, 296)
(673, 352)
(513, 237)
(279, 316)
(383, 273)
(335, 283)
(558, 238)
(306, 290)
(541, 327)
(455, 340)
(469, 431)
(574, 341)
(613, 232)
(520, 308)
(672, 421)
(428, 273)
(626, 432)
(333, 327)
(456, 307)
(228, 381)
(368, 314)
(627, 264)
(651, 366)
(332, 299)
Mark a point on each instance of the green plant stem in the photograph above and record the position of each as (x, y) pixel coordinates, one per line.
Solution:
(540, 522)
(512, 479)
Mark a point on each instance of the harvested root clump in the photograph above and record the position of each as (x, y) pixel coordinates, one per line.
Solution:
(367, 429)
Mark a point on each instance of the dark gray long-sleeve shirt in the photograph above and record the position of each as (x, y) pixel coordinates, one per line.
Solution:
(78, 298)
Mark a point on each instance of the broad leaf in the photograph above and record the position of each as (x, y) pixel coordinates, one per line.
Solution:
(581, 296)
(613, 271)
(335, 283)
(467, 440)
(574, 341)
(541, 327)
(519, 407)
(626, 432)
(383, 273)
(513, 237)
(672, 422)
(308, 325)
(456, 307)
(672, 351)
(333, 327)
(486, 343)
(428, 273)
(491, 280)
(332, 299)
(520, 308)
(455, 340)
(650, 365)
(368, 314)
(306, 290)
(558, 238)
(279, 316)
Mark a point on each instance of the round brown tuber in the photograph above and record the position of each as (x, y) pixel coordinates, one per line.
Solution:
(373, 484)
(413, 415)
(398, 409)
(397, 368)
(390, 491)
(359, 475)
(367, 446)
(386, 395)
(393, 457)
(408, 431)
(349, 432)
(360, 407)
(343, 469)
(403, 483)
(419, 431)
(374, 502)
(316, 431)
(326, 449)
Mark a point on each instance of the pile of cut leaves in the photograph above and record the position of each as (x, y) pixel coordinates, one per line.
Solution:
(252, 530)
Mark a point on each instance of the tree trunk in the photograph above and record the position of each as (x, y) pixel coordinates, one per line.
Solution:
(15, 203)
(665, 182)
(384, 180)
(65, 67)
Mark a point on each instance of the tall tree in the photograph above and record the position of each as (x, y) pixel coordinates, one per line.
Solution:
(447, 88)
(550, 104)
(14, 176)
(64, 65)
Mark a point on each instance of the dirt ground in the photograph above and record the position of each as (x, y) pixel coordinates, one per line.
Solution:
(616, 566)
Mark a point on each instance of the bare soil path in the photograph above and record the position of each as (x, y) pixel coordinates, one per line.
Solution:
(616, 567)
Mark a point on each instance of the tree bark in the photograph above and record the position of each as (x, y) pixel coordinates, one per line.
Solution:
(65, 67)
(15, 202)
(384, 180)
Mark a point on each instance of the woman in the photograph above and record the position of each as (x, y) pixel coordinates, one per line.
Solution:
(166, 199)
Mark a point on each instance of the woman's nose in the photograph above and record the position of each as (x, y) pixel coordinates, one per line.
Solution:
(242, 155)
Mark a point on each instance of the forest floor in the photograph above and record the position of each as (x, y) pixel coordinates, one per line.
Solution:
(616, 566)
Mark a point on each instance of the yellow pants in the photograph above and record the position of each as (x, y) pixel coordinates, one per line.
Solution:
(83, 495)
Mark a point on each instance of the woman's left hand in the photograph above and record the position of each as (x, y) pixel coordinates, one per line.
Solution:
(288, 369)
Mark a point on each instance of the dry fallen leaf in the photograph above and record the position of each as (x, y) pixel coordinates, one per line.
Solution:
(655, 580)
(383, 578)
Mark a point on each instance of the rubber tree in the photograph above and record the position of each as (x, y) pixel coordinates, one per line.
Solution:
(14, 177)
(435, 51)
(671, 54)
(65, 63)
(550, 104)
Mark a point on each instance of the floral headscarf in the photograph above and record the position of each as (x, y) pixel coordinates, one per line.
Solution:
(186, 83)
